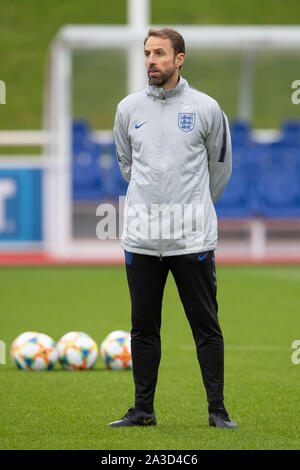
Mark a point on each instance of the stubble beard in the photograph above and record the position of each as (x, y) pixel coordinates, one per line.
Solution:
(162, 79)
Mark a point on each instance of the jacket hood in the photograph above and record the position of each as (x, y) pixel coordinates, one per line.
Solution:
(160, 93)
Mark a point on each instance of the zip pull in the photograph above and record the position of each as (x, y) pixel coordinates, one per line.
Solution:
(160, 258)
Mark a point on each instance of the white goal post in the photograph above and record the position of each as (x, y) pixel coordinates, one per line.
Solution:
(58, 108)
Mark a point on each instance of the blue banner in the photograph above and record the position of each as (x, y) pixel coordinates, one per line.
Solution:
(20, 204)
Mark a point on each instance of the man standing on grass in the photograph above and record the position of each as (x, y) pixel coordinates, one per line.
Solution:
(173, 147)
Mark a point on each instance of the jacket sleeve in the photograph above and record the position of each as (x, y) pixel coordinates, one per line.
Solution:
(218, 145)
(123, 146)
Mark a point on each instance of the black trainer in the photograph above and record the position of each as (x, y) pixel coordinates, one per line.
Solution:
(135, 417)
(219, 419)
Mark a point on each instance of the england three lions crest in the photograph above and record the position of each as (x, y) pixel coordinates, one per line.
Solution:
(186, 121)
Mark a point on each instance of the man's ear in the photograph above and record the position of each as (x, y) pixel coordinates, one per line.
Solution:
(179, 59)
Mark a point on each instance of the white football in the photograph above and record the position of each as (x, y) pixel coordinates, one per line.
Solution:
(116, 350)
(34, 351)
(77, 351)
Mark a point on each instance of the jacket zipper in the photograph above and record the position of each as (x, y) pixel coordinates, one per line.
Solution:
(164, 103)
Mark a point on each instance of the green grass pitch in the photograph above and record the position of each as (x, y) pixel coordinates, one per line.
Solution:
(259, 315)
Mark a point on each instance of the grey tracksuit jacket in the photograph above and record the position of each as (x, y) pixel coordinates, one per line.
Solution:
(174, 149)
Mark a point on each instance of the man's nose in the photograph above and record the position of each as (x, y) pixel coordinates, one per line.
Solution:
(151, 59)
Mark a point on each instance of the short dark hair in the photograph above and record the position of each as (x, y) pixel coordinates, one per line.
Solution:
(168, 33)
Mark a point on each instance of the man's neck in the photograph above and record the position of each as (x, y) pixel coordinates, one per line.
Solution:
(172, 83)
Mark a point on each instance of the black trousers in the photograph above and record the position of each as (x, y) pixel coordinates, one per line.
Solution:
(195, 278)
